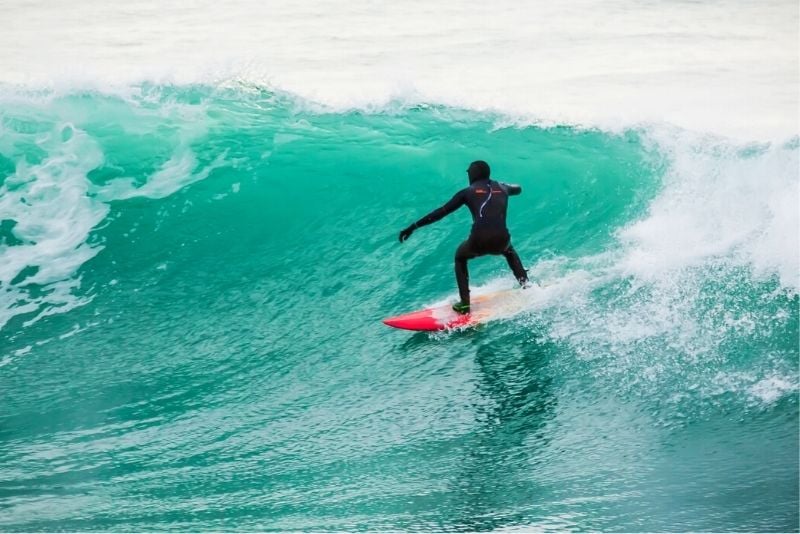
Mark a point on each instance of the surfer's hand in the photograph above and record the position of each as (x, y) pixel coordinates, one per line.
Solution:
(405, 234)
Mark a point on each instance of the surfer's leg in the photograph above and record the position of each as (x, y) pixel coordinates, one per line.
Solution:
(463, 253)
(516, 265)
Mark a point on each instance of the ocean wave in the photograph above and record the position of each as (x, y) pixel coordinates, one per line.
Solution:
(686, 204)
(201, 272)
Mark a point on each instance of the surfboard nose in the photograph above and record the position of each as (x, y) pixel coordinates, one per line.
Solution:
(421, 320)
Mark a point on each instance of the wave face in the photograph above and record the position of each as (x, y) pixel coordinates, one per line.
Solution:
(192, 280)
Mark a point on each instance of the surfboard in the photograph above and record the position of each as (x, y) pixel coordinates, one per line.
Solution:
(483, 308)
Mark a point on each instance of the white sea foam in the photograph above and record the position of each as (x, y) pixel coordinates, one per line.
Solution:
(725, 67)
(181, 170)
(53, 216)
(53, 207)
(720, 201)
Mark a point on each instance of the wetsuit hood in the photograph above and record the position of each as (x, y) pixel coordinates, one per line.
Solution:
(478, 170)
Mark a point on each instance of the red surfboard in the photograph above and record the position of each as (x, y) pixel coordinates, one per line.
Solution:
(484, 307)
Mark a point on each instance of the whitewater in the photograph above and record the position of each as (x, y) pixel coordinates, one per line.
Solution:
(199, 208)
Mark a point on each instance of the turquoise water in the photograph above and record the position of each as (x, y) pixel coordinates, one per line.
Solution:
(193, 280)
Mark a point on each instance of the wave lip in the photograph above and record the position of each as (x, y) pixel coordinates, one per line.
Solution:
(591, 64)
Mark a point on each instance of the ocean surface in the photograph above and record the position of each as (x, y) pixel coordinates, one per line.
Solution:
(199, 209)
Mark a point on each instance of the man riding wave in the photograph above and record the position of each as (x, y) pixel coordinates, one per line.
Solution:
(487, 200)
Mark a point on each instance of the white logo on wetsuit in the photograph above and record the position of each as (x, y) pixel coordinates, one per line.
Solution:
(480, 211)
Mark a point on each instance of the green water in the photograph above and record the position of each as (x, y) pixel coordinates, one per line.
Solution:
(195, 343)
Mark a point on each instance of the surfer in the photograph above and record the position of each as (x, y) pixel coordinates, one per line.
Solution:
(487, 200)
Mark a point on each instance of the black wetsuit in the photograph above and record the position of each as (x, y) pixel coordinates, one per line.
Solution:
(487, 200)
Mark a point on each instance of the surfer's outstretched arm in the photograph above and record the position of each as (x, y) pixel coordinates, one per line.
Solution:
(513, 189)
(452, 205)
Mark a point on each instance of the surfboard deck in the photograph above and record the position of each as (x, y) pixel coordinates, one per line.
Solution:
(483, 308)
